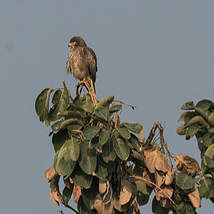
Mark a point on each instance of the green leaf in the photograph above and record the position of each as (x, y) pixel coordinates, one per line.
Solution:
(90, 132)
(142, 187)
(142, 199)
(81, 179)
(134, 127)
(157, 209)
(208, 139)
(192, 130)
(101, 113)
(121, 148)
(123, 132)
(61, 100)
(184, 181)
(42, 104)
(66, 194)
(188, 106)
(88, 159)
(210, 152)
(135, 143)
(206, 188)
(211, 130)
(106, 101)
(108, 152)
(115, 108)
(186, 116)
(102, 170)
(87, 104)
(63, 163)
(88, 197)
(59, 139)
(104, 136)
(204, 104)
(184, 208)
(65, 123)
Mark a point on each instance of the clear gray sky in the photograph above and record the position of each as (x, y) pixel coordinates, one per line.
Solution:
(155, 54)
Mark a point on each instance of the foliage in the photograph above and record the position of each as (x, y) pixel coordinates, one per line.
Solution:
(110, 168)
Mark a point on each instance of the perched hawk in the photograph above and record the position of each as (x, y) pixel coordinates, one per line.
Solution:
(82, 63)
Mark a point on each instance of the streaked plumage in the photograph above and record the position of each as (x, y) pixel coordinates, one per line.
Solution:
(81, 60)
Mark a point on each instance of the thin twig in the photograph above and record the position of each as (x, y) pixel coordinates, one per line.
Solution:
(163, 142)
(151, 134)
(68, 206)
(150, 182)
(124, 103)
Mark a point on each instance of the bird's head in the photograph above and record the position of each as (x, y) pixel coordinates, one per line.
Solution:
(77, 41)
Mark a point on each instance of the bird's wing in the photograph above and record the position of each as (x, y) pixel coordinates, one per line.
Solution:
(92, 63)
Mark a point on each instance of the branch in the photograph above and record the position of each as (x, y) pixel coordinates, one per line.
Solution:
(150, 182)
(71, 208)
(127, 104)
(151, 134)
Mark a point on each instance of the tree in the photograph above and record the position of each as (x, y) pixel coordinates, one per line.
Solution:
(109, 167)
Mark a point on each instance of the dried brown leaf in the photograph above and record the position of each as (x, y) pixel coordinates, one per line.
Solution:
(99, 206)
(102, 186)
(55, 194)
(187, 164)
(126, 191)
(50, 173)
(165, 192)
(160, 178)
(161, 163)
(77, 193)
(195, 199)
(170, 176)
(150, 160)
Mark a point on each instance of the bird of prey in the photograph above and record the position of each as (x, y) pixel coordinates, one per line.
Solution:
(82, 64)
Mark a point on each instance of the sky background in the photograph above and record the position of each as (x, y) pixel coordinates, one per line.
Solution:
(154, 54)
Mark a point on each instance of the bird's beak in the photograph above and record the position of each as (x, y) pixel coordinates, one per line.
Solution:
(71, 44)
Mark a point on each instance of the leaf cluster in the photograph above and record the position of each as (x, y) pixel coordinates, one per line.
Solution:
(199, 122)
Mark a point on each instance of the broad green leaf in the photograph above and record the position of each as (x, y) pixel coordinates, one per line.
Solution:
(157, 208)
(63, 163)
(59, 139)
(85, 103)
(82, 209)
(181, 130)
(115, 108)
(65, 123)
(102, 113)
(102, 170)
(90, 132)
(121, 148)
(142, 187)
(108, 152)
(210, 152)
(206, 188)
(71, 114)
(208, 139)
(185, 182)
(42, 104)
(135, 143)
(66, 194)
(188, 106)
(134, 127)
(184, 208)
(106, 101)
(61, 100)
(104, 136)
(204, 104)
(142, 199)
(123, 131)
(88, 197)
(192, 130)
(81, 179)
(208, 162)
(88, 159)
(186, 116)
